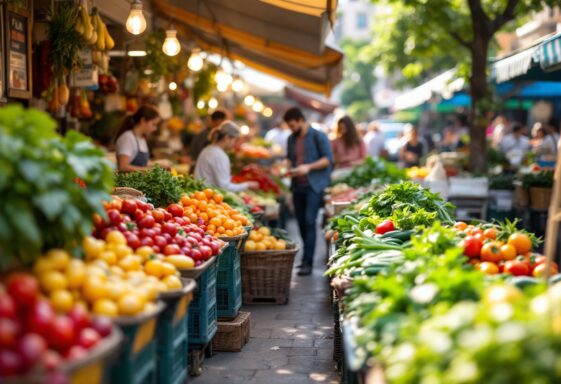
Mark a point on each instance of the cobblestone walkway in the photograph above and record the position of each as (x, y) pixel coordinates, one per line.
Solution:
(290, 344)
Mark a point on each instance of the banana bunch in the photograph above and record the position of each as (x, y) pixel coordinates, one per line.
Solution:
(104, 40)
(93, 29)
(83, 24)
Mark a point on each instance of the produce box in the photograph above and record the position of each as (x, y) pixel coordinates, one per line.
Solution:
(203, 311)
(266, 275)
(232, 335)
(138, 359)
(229, 282)
(173, 336)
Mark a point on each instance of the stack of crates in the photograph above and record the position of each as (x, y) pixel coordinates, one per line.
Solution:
(203, 311)
(229, 282)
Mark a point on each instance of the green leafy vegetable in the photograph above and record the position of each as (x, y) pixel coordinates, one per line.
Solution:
(373, 169)
(42, 205)
(160, 186)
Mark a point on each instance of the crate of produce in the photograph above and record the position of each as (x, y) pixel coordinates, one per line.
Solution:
(172, 335)
(138, 359)
(229, 282)
(232, 335)
(203, 311)
(266, 275)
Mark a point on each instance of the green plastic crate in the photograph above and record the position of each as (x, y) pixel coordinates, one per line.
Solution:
(137, 361)
(202, 311)
(173, 337)
(229, 283)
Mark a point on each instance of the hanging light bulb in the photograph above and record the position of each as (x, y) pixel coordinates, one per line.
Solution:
(200, 104)
(136, 23)
(171, 45)
(267, 112)
(213, 103)
(258, 106)
(222, 87)
(238, 85)
(249, 100)
(195, 62)
(244, 129)
(172, 86)
(223, 78)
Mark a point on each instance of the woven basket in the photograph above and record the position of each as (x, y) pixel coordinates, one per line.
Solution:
(232, 335)
(128, 193)
(540, 197)
(266, 276)
(521, 198)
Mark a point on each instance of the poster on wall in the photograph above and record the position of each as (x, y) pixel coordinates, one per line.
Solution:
(18, 54)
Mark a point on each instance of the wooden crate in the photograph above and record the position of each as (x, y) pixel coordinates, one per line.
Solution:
(232, 335)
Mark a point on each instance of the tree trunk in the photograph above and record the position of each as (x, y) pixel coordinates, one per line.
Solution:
(478, 90)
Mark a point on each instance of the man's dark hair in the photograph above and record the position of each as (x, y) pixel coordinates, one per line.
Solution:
(516, 127)
(218, 115)
(293, 113)
(554, 123)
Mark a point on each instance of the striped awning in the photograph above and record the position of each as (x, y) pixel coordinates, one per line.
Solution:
(513, 66)
(549, 54)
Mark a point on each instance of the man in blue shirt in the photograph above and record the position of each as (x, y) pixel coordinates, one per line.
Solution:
(310, 157)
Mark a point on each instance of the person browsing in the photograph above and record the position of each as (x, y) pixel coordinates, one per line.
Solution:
(213, 164)
(311, 159)
(130, 142)
(348, 148)
(201, 140)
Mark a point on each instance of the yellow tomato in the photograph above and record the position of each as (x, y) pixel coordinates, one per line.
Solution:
(59, 258)
(95, 288)
(154, 268)
(168, 269)
(52, 280)
(265, 231)
(92, 247)
(181, 261)
(116, 289)
(130, 304)
(172, 282)
(260, 247)
(109, 257)
(122, 250)
(96, 270)
(129, 263)
(149, 291)
(116, 237)
(144, 251)
(61, 300)
(117, 271)
(250, 245)
(42, 265)
(75, 273)
(280, 245)
(105, 307)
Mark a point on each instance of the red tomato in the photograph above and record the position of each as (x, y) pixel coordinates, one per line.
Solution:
(385, 226)
(10, 363)
(206, 252)
(180, 240)
(62, 333)
(31, 348)
(472, 246)
(147, 241)
(88, 338)
(159, 215)
(51, 360)
(195, 254)
(80, 317)
(23, 288)
(39, 318)
(98, 221)
(76, 352)
(517, 267)
(9, 330)
(142, 205)
(172, 249)
(7, 307)
(114, 217)
(175, 210)
(102, 325)
(132, 240)
(129, 206)
(491, 252)
(147, 221)
(170, 228)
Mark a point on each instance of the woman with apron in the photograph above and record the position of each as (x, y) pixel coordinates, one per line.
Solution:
(130, 142)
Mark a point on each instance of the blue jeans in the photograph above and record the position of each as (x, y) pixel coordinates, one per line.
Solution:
(306, 207)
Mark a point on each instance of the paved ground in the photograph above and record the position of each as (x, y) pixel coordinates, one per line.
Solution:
(290, 344)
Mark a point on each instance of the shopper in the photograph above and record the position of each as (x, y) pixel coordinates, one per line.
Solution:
(130, 142)
(279, 137)
(374, 141)
(348, 148)
(413, 150)
(213, 164)
(310, 157)
(515, 145)
(202, 139)
(544, 144)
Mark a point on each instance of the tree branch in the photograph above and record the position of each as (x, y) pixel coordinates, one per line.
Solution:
(456, 36)
(477, 11)
(506, 16)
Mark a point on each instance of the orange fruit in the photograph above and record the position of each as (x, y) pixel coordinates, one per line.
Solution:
(184, 200)
(229, 233)
(199, 195)
(204, 216)
(209, 193)
(215, 222)
(221, 229)
(520, 242)
(193, 217)
(218, 198)
(229, 224)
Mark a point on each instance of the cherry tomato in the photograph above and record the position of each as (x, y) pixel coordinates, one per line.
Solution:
(172, 249)
(490, 233)
(508, 252)
(517, 267)
(385, 226)
(491, 252)
(23, 288)
(129, 206)
(460, 225)
(132, 240)
(147, 221)
(489, 268)
(7, 306)
(114, 217)
(170, 228)
(175, 210)
(472, 246)
(540, 270)
(521, 242)
(61, 335)
(159, 215)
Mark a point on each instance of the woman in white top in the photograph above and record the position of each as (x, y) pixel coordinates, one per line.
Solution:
(130, 142)
(213, 164)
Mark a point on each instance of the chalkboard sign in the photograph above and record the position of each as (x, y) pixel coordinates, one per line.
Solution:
(18, 53)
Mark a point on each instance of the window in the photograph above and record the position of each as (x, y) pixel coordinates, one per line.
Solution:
(361, 20)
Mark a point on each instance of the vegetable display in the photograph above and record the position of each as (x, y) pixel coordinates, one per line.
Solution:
(160, 186)
(42, 206)
(373, 170)
(253, 172)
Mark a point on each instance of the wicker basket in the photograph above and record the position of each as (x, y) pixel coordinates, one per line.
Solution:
(232, 335)
(540, 197)
(266, 276)
(521, 198)
(128, 193)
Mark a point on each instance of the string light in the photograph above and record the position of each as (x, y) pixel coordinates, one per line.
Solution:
(172, 86)
(213, 103)
(171, 45)
(136, 23)
(222, 77)
(238, 85)
(267, 112)
(244, 129)
(249, 100)
(222, 87)
(200, 104)
(258, 106)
